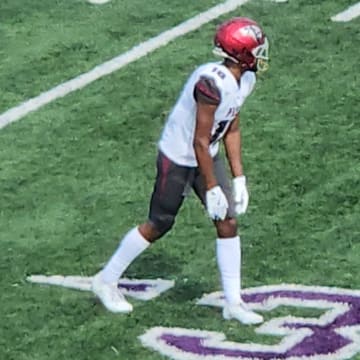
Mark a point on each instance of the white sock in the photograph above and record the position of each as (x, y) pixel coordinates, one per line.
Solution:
(228, 253)
(131, 246)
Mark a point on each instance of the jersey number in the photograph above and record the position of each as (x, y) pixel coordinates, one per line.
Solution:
(219, 132)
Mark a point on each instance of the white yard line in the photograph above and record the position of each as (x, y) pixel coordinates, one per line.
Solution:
(350, 13)
(98, 2)
(118, 62)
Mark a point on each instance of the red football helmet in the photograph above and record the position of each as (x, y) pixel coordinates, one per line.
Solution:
(242, 41)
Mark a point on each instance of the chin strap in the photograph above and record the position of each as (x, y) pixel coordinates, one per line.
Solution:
(220, 52)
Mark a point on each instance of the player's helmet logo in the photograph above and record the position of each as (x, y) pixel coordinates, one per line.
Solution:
(253, 31)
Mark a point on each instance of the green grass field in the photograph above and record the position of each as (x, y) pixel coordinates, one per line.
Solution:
(77, 174)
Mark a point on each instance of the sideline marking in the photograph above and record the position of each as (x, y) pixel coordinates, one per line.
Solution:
(118, 62)
(347, 15)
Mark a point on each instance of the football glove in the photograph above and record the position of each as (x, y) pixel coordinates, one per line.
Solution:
(241, 195)
(216, 203)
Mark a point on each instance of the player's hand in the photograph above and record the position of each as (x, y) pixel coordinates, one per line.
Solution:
(241, 195)
(216, 203)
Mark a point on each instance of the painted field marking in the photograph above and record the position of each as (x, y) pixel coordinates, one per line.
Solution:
(334, 334)
(118, 62)
(349, 14)
(98, 2)
(101, 2)
(139, 289)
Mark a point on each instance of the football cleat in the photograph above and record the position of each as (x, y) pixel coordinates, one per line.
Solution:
(241, 313)
(242, 40)
(110, 295)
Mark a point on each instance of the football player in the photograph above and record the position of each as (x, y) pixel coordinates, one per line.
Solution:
(206, 112)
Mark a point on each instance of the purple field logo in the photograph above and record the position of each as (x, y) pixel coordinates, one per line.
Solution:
(334, 335)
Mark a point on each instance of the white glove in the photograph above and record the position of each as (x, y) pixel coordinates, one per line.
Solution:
(241, 195)
(216, 203)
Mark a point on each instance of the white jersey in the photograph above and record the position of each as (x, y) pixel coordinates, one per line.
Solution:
(176, 141)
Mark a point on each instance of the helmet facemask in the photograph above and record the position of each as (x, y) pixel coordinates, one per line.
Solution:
(261, 54)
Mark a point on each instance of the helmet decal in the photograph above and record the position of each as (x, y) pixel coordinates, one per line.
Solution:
(253, 31)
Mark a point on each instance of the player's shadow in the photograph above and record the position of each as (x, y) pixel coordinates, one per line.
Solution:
(153, 265)
(184, 291)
